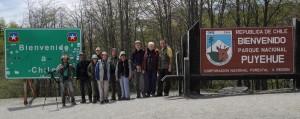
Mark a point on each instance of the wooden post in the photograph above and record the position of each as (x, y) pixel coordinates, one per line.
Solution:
(31, 87)
(25, 91)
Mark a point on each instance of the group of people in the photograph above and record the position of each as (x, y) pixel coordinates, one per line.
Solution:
(104, 72)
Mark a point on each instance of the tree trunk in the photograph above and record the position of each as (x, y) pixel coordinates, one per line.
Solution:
(121, 16)
(127, 32)
(266, 9)
(210, 12)
(238, 17)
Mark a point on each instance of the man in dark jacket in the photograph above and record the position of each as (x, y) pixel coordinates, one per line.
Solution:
(137, 61)
(150, 66)
(82, 75)
(116, 89)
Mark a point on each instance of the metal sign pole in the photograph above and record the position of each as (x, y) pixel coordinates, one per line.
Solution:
(187, 76)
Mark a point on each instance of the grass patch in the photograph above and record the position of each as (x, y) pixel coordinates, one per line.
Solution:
(9, 88)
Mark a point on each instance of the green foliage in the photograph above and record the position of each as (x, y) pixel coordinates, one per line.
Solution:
(2, 26)
(1, 49)
(13, 24)
(9, 88)
(2, 23)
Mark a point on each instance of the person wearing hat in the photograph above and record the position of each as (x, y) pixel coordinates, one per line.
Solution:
(98, 52)
(123, 74)
(115, 87)
(137, 61)
(150, 66)
(66, 77)
(91, 73)
(82, 75)
(102, 72)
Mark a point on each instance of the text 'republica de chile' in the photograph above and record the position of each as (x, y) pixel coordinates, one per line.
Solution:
(265, 44)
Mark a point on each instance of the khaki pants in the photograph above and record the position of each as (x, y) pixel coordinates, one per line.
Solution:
(139, 82)
(103, 89)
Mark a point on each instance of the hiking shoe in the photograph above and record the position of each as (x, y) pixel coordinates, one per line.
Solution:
(73, 103)
(119, 98)
(83, 101)
(143, 94)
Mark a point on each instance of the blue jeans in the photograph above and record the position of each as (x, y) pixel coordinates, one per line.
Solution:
(151, 82)
(63, 93)
(124, 84)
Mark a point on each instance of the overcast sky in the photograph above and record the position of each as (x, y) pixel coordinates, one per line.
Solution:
(14, 10)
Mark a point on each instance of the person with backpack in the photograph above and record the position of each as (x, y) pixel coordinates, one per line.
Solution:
(91, 73)
(82, 75)
(137, 61)
(164, 67)
(66, 77)
(102, 72)
(150, 66)
(124, 74)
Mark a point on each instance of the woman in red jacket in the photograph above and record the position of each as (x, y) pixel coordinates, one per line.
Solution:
(150, 66)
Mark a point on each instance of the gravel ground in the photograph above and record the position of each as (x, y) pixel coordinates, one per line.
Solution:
(207, 106)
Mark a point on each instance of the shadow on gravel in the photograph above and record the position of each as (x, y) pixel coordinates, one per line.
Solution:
(174, 97)
(31, 105)
(222, 95)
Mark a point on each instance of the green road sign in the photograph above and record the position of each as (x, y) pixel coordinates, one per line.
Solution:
(29, 52)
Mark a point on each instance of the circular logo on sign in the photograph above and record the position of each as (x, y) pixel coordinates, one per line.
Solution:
(219, 47)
